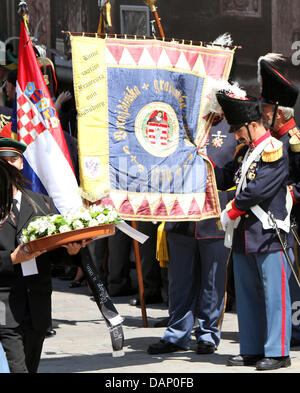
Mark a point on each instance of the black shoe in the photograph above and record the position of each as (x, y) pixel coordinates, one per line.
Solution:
(163, 347)
(153, 299)
(244, 360)
(162, 323)
(76, 283)
(50, 333)
(273, 363)
(205, 347)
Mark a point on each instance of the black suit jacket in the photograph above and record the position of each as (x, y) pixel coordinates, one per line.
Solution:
(21, 296)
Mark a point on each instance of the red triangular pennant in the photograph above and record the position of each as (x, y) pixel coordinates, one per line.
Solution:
(136, 52)
(116, 51)
(191, 58)
(194, 208)
(173, 56)
(126, 208)
(213, 68)
(144, 209)
(161, 209)
(155, 53)
(176, 209)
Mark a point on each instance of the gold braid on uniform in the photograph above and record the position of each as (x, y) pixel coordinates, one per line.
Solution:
(4, 120)
(273, 151)
(295, 140)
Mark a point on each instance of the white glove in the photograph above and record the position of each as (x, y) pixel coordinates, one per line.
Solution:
(225, 220)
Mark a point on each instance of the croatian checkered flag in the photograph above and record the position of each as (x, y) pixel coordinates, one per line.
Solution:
(47, 162)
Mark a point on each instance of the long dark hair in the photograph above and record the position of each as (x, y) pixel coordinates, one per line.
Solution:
(9, 177)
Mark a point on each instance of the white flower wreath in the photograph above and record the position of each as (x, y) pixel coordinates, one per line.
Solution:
(72, 220)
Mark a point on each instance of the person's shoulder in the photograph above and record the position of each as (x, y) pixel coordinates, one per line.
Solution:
(273, 151)
(295, 140)
(38, 196)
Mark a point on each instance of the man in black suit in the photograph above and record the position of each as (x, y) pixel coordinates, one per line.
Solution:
(25, 297)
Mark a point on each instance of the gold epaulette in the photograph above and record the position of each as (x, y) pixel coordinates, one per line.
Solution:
(4, 120)
(295, 142)
(273, 151)
(294, 131)
(239, 147)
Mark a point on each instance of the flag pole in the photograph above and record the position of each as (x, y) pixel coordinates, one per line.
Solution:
(24, 13)
(140, 277)
(105, 24)
(151, 4)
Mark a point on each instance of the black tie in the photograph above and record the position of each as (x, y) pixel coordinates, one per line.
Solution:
(15, 210)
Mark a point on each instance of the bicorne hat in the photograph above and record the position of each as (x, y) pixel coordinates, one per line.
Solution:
(276, 89)
(239, 112)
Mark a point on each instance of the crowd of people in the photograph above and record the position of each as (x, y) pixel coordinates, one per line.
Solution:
(257, 171)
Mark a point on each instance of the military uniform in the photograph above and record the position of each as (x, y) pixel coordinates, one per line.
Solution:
(197, 270)
(278, 91)
(260, 173)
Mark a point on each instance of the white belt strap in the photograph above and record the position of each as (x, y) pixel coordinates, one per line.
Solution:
(257, 210)
(265, 219)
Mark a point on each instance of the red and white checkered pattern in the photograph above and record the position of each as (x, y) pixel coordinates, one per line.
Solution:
(30, 124)
(158, 134)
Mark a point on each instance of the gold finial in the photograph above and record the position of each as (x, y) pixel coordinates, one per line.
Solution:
(151, 4)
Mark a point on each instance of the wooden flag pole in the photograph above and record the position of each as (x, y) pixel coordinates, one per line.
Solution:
(140, 278)
(151, 4)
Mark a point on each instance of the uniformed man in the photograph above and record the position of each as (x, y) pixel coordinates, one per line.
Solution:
(260, 173)
(279, 97)
(197, 271)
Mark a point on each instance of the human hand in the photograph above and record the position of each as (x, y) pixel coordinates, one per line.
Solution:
(225, 220)
(62, 98)
(74, 247)
(22, 254)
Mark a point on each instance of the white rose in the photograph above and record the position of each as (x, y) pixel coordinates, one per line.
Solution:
(51, 229)
(93, 222)
(42, 226)
(78, 224)
(96, 209)
(53, 217)
(64, 228)
(85, 215)
(24, 239)
(101, 218)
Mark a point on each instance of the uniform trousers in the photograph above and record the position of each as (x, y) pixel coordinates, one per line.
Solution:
(197, 276)
(263, 304)
(23, 347)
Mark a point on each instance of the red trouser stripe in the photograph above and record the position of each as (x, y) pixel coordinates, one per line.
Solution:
(283, 306)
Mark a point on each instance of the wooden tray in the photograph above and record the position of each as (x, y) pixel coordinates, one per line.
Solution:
(59, 239)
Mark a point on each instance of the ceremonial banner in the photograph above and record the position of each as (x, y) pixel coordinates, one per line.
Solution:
(141, 120)
(47, 162)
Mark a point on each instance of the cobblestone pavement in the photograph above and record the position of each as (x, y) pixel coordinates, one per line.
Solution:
(82, 343)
